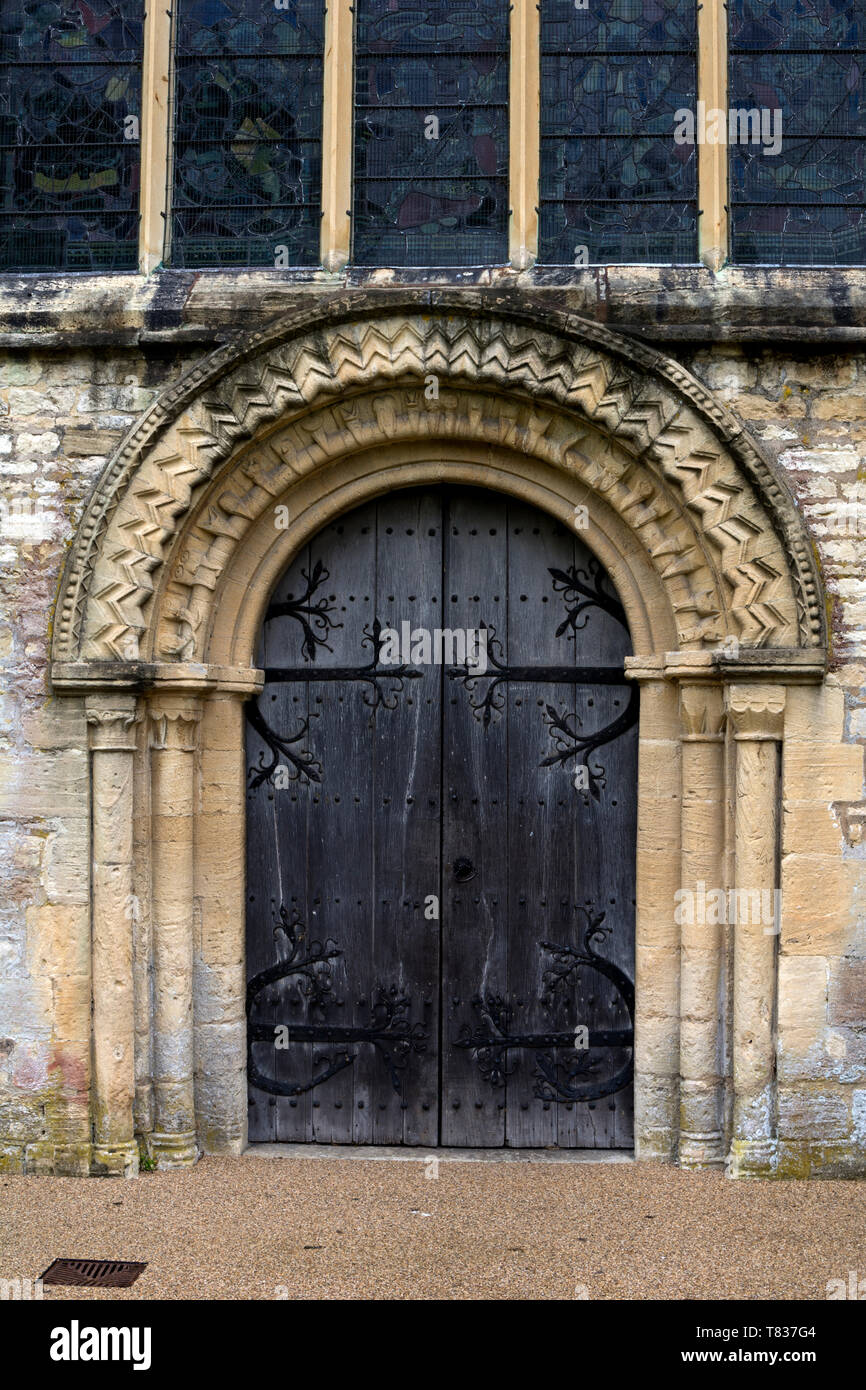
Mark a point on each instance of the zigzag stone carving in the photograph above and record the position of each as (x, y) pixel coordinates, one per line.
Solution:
(722, 532)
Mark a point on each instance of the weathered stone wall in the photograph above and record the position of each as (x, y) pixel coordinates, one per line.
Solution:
(61, 416)
(809, 413)
(62, 412)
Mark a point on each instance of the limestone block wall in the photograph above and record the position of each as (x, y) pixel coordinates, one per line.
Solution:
(809, 414)
(62, 412)
(61, 416)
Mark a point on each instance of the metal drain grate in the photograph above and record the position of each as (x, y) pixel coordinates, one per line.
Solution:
(94, 1274)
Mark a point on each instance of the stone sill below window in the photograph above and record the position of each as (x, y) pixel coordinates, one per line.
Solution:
(678, 306)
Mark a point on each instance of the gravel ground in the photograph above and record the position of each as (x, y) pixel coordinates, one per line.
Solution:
(291, 1227)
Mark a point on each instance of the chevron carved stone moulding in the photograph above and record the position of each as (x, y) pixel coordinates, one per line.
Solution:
(262, 414)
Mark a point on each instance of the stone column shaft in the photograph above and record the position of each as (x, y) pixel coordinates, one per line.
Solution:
(142, 947)
(702, 935)
(174, 725)
(111, 720)
(756, 713)
(657, 936)
(220, 974)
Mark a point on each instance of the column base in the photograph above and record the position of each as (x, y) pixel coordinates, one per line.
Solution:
(174, 1150)
(73, 1160)
(114, 1160)
(656, 1118)
(752, 1158)
(699, 1150)
(226, 1146)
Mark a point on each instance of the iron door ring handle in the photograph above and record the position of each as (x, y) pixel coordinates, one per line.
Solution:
(464, 870)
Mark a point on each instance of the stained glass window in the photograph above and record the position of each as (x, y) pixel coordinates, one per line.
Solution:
(431, 133)
(615, 186)
(247, 133)
(805, 203)
(70, 94)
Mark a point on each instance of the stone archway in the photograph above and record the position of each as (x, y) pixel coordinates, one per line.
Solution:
(164, 591)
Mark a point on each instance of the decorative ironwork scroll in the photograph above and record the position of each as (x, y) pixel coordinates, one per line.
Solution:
(309, 963)
(582, 590)
(304, 767)
(560, 1079)
(571, 744)
(316, 618)
(383, 682)
(374, 674)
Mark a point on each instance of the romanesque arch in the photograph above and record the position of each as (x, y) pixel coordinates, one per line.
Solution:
(622, 422)
(163, 593)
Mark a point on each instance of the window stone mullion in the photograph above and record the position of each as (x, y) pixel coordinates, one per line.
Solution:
(155, 101)
(713, 159)
(337, 136)
(525, 133)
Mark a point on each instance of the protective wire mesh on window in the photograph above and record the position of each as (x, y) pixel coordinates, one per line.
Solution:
(70, 111)
(247, 133)
(797, 67)
(615, 186)
(431, 133)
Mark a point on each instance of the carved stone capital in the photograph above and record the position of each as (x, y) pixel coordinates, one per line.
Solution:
(111, 721)
(174, 721)
(702, 711)
(757, 712)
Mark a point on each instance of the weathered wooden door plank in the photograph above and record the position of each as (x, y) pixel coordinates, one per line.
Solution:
(422, 792)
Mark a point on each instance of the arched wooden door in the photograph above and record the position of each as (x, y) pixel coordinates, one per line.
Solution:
(441, 838)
